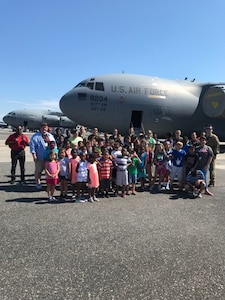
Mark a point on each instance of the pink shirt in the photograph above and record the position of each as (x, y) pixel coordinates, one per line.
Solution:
(52, 167)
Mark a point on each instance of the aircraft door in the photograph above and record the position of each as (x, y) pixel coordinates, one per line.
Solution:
(136, 120)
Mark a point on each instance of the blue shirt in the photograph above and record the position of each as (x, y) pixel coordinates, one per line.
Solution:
(178, 157)
(39, 143)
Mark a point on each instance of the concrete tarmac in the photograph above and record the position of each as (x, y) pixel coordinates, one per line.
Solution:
(148, 246)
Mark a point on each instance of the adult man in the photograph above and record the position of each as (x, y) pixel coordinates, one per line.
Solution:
(195, 181)
(38, 144)
(214, 143)
(57, 136)
(205, 154)
(75, 138)
(17, 142)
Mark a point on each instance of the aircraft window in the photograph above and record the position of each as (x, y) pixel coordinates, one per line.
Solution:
(82, 96)
(99, 86)
(90, 85)
(80, 84)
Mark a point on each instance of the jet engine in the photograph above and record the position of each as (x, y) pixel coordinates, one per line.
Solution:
(52, 120)
(213, 103)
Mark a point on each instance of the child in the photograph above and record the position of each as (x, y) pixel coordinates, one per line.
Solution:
(68, 149)
(105, 173)
(72, 170)
(93, 179)
(195, 180)
(121, 163)
(81, 177)
(133, 171)
(178, 157)
(168, 150)
(51, 146)
(142, 167)
(63, 173)
(149, 165)
(160, 159)
(52, 169)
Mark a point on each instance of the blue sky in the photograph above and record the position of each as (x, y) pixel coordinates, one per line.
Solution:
(48, 46)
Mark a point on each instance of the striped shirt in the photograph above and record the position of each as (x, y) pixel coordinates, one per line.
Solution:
(105, 168)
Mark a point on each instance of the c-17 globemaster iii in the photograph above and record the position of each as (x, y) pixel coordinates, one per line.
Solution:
(32, 119)
(144, 102)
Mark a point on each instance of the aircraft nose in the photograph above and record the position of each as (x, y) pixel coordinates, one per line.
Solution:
(5, 119)
(67, 103)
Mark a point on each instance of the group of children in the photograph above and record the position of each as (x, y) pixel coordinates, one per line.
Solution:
(117, 167)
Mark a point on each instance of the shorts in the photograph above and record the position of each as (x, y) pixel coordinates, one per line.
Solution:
(161, 170)
(132, 178)
(52, 181)
(177, 171)
(61, 177)
(105, 183)
(39, 166)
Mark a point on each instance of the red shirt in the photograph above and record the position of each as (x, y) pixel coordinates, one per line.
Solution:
(19, 141)
(105, 168)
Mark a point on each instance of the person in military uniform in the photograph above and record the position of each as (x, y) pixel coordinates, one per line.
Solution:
(214, 143)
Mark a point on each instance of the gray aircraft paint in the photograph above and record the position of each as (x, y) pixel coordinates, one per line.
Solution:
(32, 119)
(164, 105)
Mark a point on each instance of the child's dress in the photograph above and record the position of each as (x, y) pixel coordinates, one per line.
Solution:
(93, 175)
(74, 162)
(82, 171)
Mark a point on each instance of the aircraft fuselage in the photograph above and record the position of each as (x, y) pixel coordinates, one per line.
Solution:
(161, 105)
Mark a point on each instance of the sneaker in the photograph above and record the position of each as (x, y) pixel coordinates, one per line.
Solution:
(38, 186)
(50, 198)
(79, 200)
(167, 186)
(133, 193)
(127, 193)
(95, 199)
(54, 199)
(91, 200)
(199, 195)
(195, 194)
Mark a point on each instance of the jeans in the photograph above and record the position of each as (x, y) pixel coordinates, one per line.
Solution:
(18, 156)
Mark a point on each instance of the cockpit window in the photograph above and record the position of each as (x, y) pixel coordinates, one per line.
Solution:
(80, 84)
(99, 86)
(90, 85)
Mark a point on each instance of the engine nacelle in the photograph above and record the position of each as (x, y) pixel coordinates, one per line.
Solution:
(213, 103)
(52, 120)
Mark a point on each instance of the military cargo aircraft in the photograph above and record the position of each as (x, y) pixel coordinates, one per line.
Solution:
(144, 102)
(32, 119)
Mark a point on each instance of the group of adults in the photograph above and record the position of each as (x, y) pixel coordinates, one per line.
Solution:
(41, 140)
